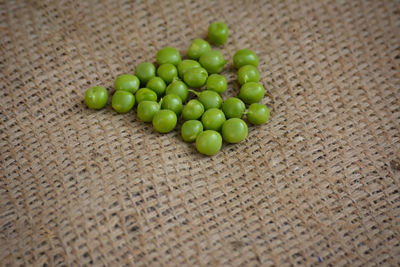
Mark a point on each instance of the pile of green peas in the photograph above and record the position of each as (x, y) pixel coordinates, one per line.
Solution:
(162, 93)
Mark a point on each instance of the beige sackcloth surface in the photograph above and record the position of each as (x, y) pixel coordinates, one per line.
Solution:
(317, 185)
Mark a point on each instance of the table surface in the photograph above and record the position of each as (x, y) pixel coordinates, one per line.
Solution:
(318, 184)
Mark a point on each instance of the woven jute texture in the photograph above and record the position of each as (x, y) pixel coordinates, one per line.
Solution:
(317, 185)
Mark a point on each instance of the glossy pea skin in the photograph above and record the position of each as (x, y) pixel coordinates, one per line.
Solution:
(157, 85)
(248, 73)
(210, 99)
(245, 57)
(168, 54)
(190, 130)
(173, 103)
(96, 97)
(213, 119)
(127, 82)
(251, 92)
(195, 77)
(145, 94)
(186, 64)
(145, 71)
(258, 114)
(197, 48)
(122, 101)
(164, 121)
(233, 107)
(234, 130)
(209, 142)
(218, 33)
(146, 110)
(167, 72)
(178, 88)
(216, 83)
(193, 110)
(212, 61)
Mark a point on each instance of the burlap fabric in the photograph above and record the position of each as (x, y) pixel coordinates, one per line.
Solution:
(317, 185)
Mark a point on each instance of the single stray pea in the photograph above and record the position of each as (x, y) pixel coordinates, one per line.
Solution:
(190, 130)
(217, 83)
(96, 97)
(147, 109)
(122, 101)
(145, 71)
(167, 72)
(248, 73)
(258, 114)
(245, 57)
(212, 61)
(234, 130)
(186, 64)
(168, 54)
(209, 142)
(233, 107)
(218, 33)
(172, 102)
(197, 48)
(210, 99)
(213, 119)
(178, 88)
(144, 94)
(157, 85)
(193, 110)
(127, 82)
(164, 121)
(251, 92)
(195, 77)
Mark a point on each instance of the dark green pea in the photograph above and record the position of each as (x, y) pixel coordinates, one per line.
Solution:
(167, 72)
(218, 33)
(210, 99)
(127, 82)
(248, 73)
(172, 102)
(178, 88)
(212, 61)
(195, 77)
(168, 55)
(147, 109)
(245, 57)
(251, 92)
(190, 130)
(213, 119)
(164, 121)
(186, 64)
(145, 94)
(197, 48)
(233, 107)
(157, 85)
(122, 101)
(96, 97)
(217, 83)
(145, 71)
(193, 110)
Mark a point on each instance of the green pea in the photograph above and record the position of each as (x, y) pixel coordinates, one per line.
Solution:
(127, 82)
(157, 85)
(167, 72)
(234, 130)
(168, 55)
(258, 114)
(248, 73)
(145, 71)
(213, 119)
(172, 102)
(145, 94)
(212, 61)
(193, 110)
(147, 109)
(218, 33)
(233, 108)
(178, 88)
(210, 99)
(245, 57)
(186, 64)
(195, 77)
(190, 130)
(122, 101)
(208, 142)
(96, 97)
(251, 92)
(164, 121)
(217, 83)
(197, 48)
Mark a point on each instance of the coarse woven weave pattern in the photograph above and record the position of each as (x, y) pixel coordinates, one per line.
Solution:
(317, 185)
